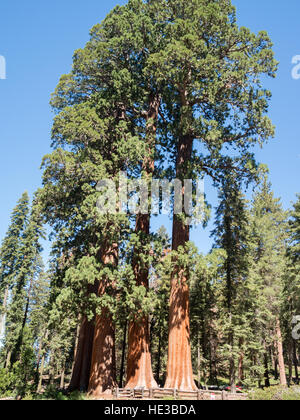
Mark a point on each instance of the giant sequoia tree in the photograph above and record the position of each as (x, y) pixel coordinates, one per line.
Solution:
(154, 78)
(215, 103)
(107, 118)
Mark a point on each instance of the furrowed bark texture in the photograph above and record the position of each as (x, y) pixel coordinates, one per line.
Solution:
(139, 368)
(82, 365)
(103, 365)
(179, 368)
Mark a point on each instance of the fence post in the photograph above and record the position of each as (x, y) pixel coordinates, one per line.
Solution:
(175, 393)
(200, 395)
(224, 396)
(151, 393)
(117, 392)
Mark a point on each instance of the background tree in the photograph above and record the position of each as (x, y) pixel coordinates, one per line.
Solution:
(231, 235)
(9, 254)
(268, 265)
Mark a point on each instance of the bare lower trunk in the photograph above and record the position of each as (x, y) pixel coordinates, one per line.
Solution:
(3, 313)
(41, 373)
(199, 360)
(241, 369)
(213, 358)
(241, 363)
(83, 353)
(139, 368)
(295, 358)
(8, 357)
(158, 366)
(123, 356)
(232, 370)
(276, 375)
(281, 364)
(103, 366)
(179, 368)
(290, 361)
(267, 377)
(42, 356)
(62, 378)
(76, 344)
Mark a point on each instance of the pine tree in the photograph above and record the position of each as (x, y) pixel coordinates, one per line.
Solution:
(268, 265)
(28, 264)
(232, 236)
(291, 293)
(9, 254)
(205, 314)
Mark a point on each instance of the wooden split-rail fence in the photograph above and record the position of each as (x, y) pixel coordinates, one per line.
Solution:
(162, 393)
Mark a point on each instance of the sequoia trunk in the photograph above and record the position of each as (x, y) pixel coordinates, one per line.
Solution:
(179, 368)
(82, 365)
(103, 366)
(139, 368)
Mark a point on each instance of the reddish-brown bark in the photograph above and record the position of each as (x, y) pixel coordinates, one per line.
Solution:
(179, 368)
(103, 365)
(83, 351)
(139, 368)
(82, 365)
(281, 364)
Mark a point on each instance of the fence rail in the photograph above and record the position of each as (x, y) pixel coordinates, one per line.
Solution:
(161, 393)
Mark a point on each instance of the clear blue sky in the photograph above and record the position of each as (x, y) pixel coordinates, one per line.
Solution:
(38, 39)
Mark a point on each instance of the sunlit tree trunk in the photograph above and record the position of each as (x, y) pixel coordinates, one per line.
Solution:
(281, 364)
(295, 358)
(83, 355)
(139, 368)
(179, 368)
(62, 378)
(41, 368)
(103, 365)
(158, 366)
(3, 313)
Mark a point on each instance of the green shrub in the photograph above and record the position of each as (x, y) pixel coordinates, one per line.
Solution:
(7, 383)
(276, 393)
